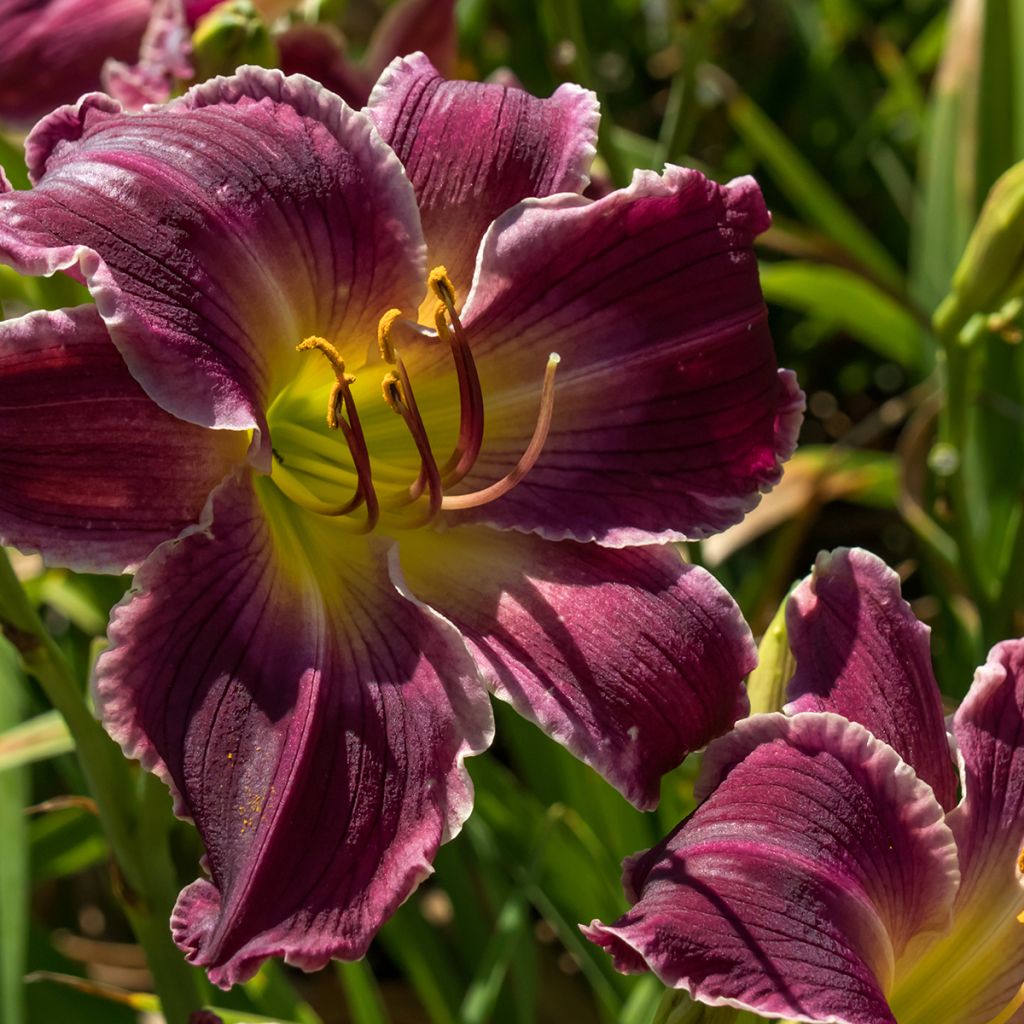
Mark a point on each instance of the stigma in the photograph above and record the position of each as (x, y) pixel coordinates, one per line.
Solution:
(427, 494)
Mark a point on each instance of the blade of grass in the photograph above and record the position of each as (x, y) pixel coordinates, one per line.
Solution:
(14, 872)
(362, 995)
(803, 186)
(852, 303)
(38, 739)
(411, 942)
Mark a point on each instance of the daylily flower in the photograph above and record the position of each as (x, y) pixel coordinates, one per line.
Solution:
(831, 873)
(53, 51)
(401, 516)
(319, 50)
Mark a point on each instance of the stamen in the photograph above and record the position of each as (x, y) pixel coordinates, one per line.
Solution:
(471, 402)
(340, 405)
(387, 350)
(323, 346)
(398, 394)
(529, 457)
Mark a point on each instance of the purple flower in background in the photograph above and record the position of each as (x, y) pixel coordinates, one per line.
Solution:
(52, 51)
(350, 526)
(319, 50)
(831, 873)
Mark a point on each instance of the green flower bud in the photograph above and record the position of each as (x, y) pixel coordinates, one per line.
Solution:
(233, 33)
(991, 270)
(766, 685)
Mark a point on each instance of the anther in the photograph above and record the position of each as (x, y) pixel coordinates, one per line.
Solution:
(441, 285)
(387, 350)
(471, 401)
(529, 457)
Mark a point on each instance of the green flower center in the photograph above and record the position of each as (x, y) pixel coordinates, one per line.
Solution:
(328, 465)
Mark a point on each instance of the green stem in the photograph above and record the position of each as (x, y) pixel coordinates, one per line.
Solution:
(950, 320)
(136, 828)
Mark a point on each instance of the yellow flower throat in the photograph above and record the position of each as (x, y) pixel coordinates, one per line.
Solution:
(371, 499)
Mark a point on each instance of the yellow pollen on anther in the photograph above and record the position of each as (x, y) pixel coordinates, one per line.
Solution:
(441, 321)
(323, 346)
(387, 350)
(441, 285)
(391, 389)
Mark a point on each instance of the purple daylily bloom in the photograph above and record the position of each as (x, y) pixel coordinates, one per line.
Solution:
(52, 51)
(319, 50)
(307, 665)
(831, 874)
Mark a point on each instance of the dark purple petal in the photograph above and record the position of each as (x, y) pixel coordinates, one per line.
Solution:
(95, 475)
(630, 658)
(219, 231)
(52, 52)
(971, 974)
(473, 150)
(670, 416)
(426, 26)
(817, 860)
(311, 719)
(862, 653)
(319, 52)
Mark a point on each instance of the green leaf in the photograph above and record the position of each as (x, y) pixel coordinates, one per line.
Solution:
(362, 995)
(806, 189)
(38, 739)
(14, 876)
(510, 930)
(850, 302)
(411, 942)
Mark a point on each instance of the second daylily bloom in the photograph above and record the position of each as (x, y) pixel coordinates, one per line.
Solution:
(831, 874)
(53, 51)
(305, 665)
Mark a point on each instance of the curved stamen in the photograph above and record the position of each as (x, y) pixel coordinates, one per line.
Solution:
(471, 402)
(340, 405)
(397, 390)
(529, 457)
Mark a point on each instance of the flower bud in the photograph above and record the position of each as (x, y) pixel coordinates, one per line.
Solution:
(231, 34)
(991, 270)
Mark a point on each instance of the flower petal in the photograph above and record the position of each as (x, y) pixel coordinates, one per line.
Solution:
(219, 231)
(95, 474)
(318, 50)
(800, 881)
(311, 718)
(474, 150)
(630, 658)
(424, 25)
(670, 417)
(165, 54)
(52, 52)
(862, 653)
(974, 971)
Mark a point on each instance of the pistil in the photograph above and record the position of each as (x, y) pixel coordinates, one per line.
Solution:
(527, 460)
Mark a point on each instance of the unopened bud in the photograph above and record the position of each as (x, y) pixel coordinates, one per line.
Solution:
(991, 270)
(231, 34)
